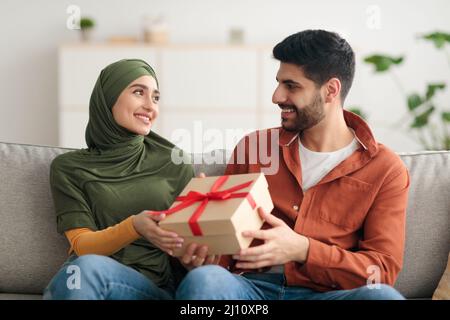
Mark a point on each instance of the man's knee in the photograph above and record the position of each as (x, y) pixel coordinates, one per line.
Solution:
(204, 281)
(207, 275)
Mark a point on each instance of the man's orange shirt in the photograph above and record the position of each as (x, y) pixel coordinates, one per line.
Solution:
(354, 217)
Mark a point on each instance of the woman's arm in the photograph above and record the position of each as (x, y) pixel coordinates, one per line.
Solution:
(110, 240)
(104, 242)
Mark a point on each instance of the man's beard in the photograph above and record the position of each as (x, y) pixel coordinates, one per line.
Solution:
(307, 117)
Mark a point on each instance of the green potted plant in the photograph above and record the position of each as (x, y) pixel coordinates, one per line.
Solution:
(86, 26)
(429, 123)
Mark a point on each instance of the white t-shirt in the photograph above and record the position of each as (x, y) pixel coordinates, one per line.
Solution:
(315, 166)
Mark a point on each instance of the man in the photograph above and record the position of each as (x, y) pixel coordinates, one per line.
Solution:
(338, 227)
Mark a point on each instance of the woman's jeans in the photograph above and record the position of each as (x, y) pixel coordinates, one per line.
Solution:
(215, 282)
(95, 277)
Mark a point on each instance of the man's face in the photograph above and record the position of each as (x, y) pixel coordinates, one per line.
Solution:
(300, 100)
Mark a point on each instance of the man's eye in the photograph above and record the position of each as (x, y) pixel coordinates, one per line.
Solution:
(139, 92)
(156, 98)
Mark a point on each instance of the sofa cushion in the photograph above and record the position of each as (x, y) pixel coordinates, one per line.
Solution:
(31, 250)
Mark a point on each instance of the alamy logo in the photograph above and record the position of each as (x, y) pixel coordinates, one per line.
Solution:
(374, 17)
(374, 279)
(73, 21)
(74, 281)
(261, 149)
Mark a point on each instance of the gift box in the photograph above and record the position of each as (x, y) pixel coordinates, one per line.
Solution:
(215, 210)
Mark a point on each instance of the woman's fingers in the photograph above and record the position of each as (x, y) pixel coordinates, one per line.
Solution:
(210, 259)
(167, 241)
(171, 241)
(163, 241)
(189, 253)
(164, 233)
(155, 232)
(159, 232)
(166, 248)
(200, 258)
(156, 216)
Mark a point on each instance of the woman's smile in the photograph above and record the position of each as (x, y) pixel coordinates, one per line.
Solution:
(143, 117)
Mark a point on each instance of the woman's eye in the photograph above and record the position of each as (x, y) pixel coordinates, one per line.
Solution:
(156, 98)
(139, 92)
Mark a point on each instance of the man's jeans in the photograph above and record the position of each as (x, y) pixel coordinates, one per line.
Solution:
(215, 282)
(95, 277)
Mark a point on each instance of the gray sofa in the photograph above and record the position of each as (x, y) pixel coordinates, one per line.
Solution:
(31, 251)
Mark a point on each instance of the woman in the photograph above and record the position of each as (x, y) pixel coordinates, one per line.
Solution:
(102, 194)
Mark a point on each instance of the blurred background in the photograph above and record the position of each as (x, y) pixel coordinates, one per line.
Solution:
(213, 61)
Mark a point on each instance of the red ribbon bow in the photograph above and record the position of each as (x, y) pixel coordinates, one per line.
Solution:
(213, 195)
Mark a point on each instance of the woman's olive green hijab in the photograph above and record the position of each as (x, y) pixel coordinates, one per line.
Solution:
(102, 131)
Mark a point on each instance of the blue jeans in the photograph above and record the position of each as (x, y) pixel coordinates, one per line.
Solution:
(214, 282)
(95, 277)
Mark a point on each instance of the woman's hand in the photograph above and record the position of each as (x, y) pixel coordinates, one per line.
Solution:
(146, 224)
(196, 256)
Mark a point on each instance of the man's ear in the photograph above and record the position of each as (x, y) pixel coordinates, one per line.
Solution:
(333, 90)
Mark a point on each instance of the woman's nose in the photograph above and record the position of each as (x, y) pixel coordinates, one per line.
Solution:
(149, 104)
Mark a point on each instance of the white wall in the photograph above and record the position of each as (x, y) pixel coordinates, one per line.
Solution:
(32, 31)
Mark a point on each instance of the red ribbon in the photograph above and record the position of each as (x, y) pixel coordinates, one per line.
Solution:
(212, 195)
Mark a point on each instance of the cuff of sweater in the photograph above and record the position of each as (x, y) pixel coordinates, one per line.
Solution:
(129, 227)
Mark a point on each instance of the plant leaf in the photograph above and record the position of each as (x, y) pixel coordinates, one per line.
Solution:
(422, 119)
(438, 38)
(432, 88)
(447, 143)
(86, 23)
(382, 62)
(446, 116)
(414, 101)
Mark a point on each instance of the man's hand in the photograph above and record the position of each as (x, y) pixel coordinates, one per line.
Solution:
(282, 244)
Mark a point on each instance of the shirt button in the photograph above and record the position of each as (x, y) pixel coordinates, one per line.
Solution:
(295, 207)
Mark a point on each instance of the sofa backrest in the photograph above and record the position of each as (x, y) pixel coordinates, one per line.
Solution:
(31, 251)
(427, 223)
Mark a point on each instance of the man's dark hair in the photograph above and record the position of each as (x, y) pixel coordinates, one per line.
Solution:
(321, 54)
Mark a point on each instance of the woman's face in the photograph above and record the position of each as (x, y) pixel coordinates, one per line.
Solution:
(137, 106)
